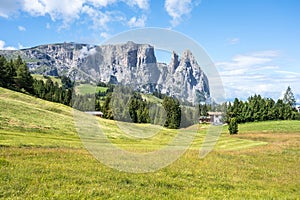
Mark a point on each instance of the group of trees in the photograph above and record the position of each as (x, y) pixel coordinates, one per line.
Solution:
(138, 109)
(51, 91)
(14, 75)
(173, 110)
(127, 105)
(257, 108)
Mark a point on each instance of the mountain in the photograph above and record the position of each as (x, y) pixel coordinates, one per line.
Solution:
(127, 64)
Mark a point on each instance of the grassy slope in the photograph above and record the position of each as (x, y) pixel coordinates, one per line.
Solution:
(42, 156)
(89, 89)
(41, 77)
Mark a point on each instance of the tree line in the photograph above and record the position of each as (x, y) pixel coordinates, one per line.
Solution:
(257, 108)
(124, 104)
(15, 75)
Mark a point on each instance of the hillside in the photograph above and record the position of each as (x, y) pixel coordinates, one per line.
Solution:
(42, 157)
(29, 121)
(26, 120)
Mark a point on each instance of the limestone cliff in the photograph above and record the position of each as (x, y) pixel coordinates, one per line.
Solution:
(127, 64)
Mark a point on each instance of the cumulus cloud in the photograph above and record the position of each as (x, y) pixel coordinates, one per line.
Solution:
(4, 47)
(9, 7)
(104, 35)
(57, 9)
(101, 3)
(142, 4)
(21, 28)
(68, 11)
(101, 19)
(177, 9)
(135, 22)
(256, 73)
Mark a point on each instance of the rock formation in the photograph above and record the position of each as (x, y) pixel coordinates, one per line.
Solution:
(127, 64)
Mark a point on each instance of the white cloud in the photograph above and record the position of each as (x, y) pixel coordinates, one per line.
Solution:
(20, 46)
(9, 7)
(233, 41)
(137, 22)
(87, 51)
(3, 47)
(48, 26)
(142, 4)
(101, 3)
(21, 28)
(67, 12)
(247, 60)
(101, 19)
(57, 9)
(105, 35)
(256, 73)
(177, 9)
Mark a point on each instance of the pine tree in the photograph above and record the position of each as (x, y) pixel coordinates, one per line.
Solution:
(233, 126)
(3, 72)
(173, 110)
(289, 98)
(23, 78)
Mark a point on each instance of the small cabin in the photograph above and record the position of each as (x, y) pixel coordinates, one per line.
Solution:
(213, 118)
(95, 113)
(204, 119)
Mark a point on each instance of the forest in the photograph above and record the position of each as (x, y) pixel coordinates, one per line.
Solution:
(15, 75)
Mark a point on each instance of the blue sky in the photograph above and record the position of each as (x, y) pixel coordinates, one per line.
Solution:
(253, 43)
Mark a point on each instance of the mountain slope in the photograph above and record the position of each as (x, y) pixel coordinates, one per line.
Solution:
(26, 120)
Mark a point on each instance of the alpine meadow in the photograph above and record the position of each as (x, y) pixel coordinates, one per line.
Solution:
(142, 99)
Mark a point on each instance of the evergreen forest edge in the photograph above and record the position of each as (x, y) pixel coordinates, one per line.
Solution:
(15, 75)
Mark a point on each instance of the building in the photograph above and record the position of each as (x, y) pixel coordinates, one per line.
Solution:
(216, 117)
(213, 118)
(95, 113)
(204, 119)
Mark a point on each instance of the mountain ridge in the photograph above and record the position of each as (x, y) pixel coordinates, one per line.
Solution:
(127, 64)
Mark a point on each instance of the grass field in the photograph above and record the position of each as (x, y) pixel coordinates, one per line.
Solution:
(89, 89)
(41, 77)
(42, 157)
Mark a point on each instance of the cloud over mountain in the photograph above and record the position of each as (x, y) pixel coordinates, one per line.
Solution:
(256, 73)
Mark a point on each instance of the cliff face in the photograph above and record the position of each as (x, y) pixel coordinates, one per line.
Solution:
(185, 79)
(127, 64)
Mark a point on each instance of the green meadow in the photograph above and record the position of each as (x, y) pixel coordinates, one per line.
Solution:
(89, 89)
(42, 157)
(53, 78)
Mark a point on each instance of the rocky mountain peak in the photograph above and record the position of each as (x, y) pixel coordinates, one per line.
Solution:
(174, 62)
(129, 63)
(188, 60)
